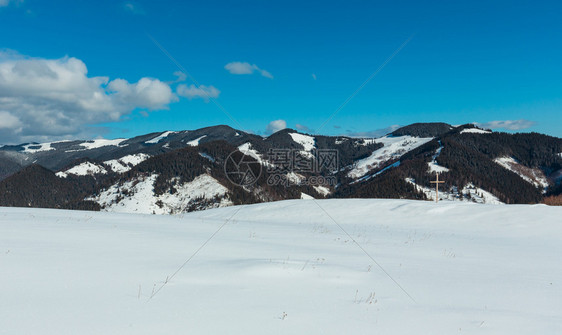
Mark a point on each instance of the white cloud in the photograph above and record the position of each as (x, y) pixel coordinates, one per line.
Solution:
(8, 121)
(181, 76)
(4, 3)
(134, 8)
(192, 91)
(240, 68)
(373, 133)
(266, 74)
(302, 127)
(146, 93)
(314, 76)
(55, 98)
(275, 126)
(246, 68)
(507, 124)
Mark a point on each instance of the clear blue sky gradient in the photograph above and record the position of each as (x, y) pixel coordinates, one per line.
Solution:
(474, 61)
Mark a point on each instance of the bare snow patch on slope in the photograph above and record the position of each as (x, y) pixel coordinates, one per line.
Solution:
(305, 196)
(37, 147)
(323, 190)
(308, 143)
(160, 137)
(94, 144)
(125, 163)
(195, 142)
(381, 171)
(469, 193)
(533, 176)
(394, 148)
(365, 141)
(83, 169)
(33, 147)
(475, 131)
(137, 196)
(247, 149)
(202, 187)
(132, 196)
(433, 166)
(339, 140)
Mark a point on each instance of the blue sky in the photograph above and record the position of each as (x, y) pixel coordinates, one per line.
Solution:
(496, 63)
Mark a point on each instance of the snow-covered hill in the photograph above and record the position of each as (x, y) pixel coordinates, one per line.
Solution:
(137, 196)
(533, 176)
(393, 148)
(476, 165)
(284, 268)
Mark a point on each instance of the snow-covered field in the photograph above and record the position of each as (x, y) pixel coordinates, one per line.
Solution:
(285, 268)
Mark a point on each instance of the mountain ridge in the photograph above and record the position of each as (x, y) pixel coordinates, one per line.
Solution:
(477, 165)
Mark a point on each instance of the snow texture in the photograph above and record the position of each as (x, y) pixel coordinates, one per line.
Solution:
(94, 144)
(308, 142)
(321, 190)
(394, 148)
(195, 142)
(305, 196)
(34, 148)
(125, 163)
(475, 131)
(247, 149)
(433, 166)
(469, 193)
(83, 169)
(365, 141)
(137, 196)
(284, 268)
(533, 176)
(369, 176)
(339, 141)
(160, 137)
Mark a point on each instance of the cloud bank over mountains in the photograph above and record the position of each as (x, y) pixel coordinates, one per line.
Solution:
(507, 124)
(54, 99)
(275, 125)
(50, 99)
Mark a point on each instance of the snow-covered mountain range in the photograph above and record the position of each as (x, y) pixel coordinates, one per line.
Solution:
(179, 171)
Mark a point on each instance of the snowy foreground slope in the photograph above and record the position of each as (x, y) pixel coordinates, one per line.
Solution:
(285, 268)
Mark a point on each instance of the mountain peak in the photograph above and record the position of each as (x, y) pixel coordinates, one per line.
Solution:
(429, 129)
